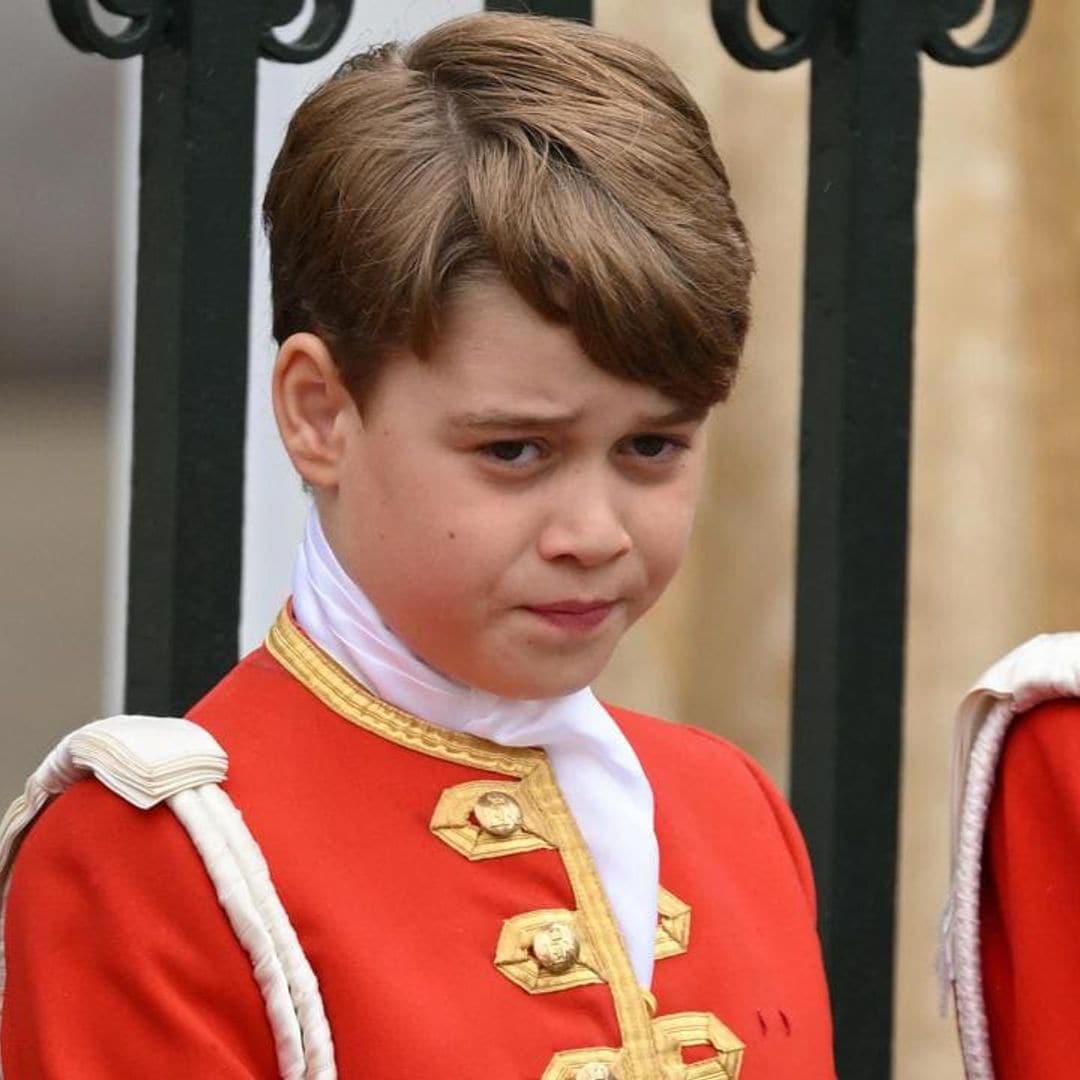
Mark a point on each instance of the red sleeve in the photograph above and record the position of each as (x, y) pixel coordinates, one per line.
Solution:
(785, 819)
(1030, 919)
(120, 961)
(789, 829)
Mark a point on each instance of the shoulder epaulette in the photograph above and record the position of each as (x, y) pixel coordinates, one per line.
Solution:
(149, 760)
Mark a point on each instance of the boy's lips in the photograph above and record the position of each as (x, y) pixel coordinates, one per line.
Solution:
(574, 615)
(571, 607)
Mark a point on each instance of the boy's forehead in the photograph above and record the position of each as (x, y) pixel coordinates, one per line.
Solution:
(497, 362)
(552, 383)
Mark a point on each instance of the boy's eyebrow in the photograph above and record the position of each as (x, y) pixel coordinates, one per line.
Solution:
(502, 418)
(488, 419)
(681, 414)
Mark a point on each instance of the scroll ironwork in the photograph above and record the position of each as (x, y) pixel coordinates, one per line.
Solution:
(150, 20)
(328, 20)
(145, 28)
(1007, 22)
(799, 21)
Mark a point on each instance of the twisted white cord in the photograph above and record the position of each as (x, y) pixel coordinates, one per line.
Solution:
(960, 938)
(303, 986)
(244, 917)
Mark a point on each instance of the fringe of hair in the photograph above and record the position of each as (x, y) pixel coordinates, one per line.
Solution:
(573, 163)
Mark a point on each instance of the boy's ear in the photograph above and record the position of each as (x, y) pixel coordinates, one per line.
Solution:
(311, 406)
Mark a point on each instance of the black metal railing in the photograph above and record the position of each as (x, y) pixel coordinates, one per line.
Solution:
(191, 329)
(198, 99)
(865, 111)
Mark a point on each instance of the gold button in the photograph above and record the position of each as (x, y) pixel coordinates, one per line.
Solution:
(498, 813)
(556, 947)
(595, 1070)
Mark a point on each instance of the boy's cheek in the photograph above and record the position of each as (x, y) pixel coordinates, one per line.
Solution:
(666, 533)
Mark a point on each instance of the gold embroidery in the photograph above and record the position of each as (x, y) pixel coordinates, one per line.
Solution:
(574, 1064)
(453, 821)
(639, 1058)
(516, 955)
(672, 1034)
(680, 1030)
(673, 933)
(333, 686)
(339, 691)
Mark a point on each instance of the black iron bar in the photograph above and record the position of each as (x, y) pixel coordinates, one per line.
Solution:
(854, 460)
(191, 334)
(853, 505)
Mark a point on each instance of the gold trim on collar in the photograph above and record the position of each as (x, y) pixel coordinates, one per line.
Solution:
(336, 689)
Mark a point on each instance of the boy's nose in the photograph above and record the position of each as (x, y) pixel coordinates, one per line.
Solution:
(587, 528)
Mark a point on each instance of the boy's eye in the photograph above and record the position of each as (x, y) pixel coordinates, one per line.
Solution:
(649, 445)
(512, 451)
(654, 446)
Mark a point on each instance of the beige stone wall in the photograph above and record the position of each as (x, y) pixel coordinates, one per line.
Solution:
(1045, 87)
(995, 502)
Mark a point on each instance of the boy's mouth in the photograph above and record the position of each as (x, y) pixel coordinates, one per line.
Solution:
(574, 615)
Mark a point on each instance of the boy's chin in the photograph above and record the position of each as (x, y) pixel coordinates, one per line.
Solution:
(534, 677)
(541, 692)
(533, 685)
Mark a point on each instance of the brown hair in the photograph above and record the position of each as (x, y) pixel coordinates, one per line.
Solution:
(570, 161)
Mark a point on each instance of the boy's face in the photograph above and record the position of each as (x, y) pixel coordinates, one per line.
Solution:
(508, 507)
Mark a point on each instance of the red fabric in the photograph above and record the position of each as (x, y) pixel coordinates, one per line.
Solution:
(119, 955)
(1030, 918)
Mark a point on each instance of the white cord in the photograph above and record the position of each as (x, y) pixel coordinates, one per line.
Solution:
(303, 986)
(248, 925)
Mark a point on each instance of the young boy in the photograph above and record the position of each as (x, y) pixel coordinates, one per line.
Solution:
(509, 284)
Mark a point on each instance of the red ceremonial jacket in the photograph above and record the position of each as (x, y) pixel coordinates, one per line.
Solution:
(1030, 898)
(420, 925)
